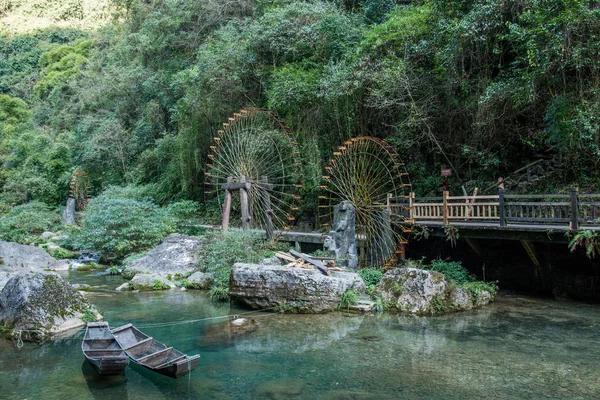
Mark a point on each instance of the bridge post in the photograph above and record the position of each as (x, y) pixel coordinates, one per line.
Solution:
(445, 207)
(574, 225)
(501, 209)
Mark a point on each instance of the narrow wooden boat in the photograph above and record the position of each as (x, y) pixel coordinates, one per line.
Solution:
(102, 350)
(152, 354)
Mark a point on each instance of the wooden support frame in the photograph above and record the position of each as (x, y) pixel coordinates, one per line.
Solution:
(474, 245)
(243, 186)
(530, 250)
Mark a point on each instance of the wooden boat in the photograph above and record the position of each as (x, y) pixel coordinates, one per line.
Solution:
(102, 350)
(152, 354)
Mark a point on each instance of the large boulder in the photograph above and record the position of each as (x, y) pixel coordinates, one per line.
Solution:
(290, 289)
(15, 258)
(42, 304)
(177, 255)
(421, 291)
(199, 280)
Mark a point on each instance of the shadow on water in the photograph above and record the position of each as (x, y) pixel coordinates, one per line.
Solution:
(104, 387)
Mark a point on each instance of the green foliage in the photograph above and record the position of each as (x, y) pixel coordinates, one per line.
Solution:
(219, 293)
(492, 83)
(59, 65)
(88, 316)
(371, 276)
(453, 270)
(61, 253)
(477, 287)
(348, 298)
(121, 225)
(159, 285)
(114, 270)
(588, 239)
(221, 251)
(27, 220)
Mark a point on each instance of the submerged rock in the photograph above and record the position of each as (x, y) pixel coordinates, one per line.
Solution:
(290, 289)
(280, 389)
(421, 291)
(43, 304)
(224, 334)
(145, 282)
(16, 258)
(177, 255)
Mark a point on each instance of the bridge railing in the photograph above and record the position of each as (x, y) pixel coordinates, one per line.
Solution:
(573, 210)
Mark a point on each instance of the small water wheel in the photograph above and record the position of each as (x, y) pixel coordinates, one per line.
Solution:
(367, 172)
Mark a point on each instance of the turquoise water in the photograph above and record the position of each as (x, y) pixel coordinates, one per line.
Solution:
(517, 348)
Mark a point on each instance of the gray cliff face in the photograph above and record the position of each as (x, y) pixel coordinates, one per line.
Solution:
(177, 254)
(426, 292)
(16, 258)
(42, 304)
(292, 289)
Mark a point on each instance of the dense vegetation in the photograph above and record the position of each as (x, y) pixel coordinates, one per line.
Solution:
(131, 91)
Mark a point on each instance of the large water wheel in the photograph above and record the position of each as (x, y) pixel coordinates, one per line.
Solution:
(256, 147)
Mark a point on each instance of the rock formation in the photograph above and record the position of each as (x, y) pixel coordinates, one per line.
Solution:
(15, 258)
(427, 292)
(290, 289)
(177, 254)
(43, 304)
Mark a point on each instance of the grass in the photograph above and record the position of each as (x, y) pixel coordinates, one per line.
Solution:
(348, 298)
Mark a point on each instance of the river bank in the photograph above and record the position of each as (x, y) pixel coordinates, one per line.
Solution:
(517, 348)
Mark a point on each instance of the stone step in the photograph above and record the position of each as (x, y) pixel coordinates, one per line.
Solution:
(364, 304)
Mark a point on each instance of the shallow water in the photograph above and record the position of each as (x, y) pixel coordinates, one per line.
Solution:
(517, 348)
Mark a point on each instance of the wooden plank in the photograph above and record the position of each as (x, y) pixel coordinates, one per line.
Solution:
(309, 260)
(236, 185)
(285, 256)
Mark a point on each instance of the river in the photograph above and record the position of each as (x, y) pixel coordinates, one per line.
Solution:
(517, 348)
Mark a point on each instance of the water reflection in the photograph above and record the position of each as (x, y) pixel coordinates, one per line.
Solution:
(518, 348)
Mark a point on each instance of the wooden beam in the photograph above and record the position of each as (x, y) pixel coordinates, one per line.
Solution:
(236, 185)
(244, 205)
(474, 245)
(530, 250)
(309, 260)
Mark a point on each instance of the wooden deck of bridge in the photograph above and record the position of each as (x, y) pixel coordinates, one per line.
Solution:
(536, 212)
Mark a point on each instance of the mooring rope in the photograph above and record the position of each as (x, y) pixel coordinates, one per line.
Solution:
(79, 333)
(192, 321)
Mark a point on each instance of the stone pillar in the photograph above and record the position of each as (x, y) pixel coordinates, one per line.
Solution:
(69, 213)
(342, 238)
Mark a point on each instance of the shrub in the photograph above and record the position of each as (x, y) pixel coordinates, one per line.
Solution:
(120, 226)
(477, 287)
(348, 298)
(453, 271)
(30, 219)
(158, 285)
(371, 276)
(221, 251)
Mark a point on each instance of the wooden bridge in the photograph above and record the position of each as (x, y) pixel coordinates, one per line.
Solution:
(535, 212)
